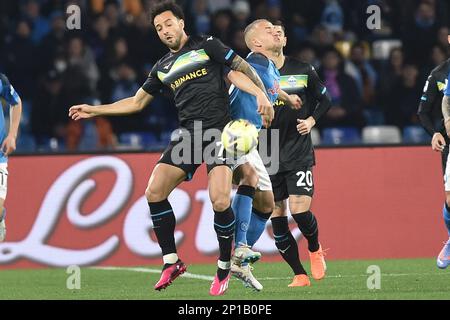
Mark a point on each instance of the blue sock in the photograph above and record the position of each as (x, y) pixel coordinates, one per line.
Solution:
(242, 207)
(447, 218)
(257, 226)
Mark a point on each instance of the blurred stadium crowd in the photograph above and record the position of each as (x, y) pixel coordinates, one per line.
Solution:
(375, 77)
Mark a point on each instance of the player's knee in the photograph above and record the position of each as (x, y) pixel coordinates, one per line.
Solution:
(300, 205)
(265, 203)
(447, 200)
(220, 202)
(155, 194)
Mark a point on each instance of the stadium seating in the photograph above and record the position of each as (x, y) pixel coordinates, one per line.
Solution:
(381, 48)
(140, 141)
(339, 136)
(381, 134)
(415, 134)
(26, 143)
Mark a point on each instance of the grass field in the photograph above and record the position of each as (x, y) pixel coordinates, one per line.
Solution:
(400, 279)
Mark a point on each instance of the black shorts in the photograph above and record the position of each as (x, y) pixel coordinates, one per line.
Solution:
(296, 182)
(184, 153)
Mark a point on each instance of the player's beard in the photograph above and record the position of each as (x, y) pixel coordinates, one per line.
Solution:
(175, 44)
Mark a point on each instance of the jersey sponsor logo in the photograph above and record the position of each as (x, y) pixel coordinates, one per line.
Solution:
(294, 82)
(209, 39)
(441, 85)
(190, 76)
(279, 103)
(274, 90)
(188, 61)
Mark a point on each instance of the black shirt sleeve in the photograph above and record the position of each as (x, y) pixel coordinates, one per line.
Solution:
(153, 85)
(430, 93)
(217, 51)
(319, 92)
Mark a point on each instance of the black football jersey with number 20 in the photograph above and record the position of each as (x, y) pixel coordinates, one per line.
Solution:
(301, 79)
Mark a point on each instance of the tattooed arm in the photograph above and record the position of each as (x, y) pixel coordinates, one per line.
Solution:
(265, 108)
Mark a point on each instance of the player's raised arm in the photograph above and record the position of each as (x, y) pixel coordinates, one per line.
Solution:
(244, 83)
(121, 107)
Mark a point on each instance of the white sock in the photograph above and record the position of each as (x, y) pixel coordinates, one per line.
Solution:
(170, 258)
(224, 265)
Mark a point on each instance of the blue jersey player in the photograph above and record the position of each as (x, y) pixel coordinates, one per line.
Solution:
(255, 189)
(443, 260)
(8, 97)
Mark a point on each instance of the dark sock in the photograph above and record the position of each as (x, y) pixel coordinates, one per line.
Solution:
(169, 264)
(307, 224)
(222, 273)
(224, 225)
(286, 244)
(164, 225)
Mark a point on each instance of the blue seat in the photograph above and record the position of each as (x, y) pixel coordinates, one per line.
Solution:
(140, 140)
(26, 143)
(415, 134)
(341, 136)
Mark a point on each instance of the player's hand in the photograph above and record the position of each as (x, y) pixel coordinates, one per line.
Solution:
(295, 102)
(9, 145)
(82, 111)
(304, 126)
(265, 109)
(438, 142)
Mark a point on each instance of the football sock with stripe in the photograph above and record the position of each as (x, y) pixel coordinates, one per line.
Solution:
(307, 223)
(242, 207)
(224, 224)
(286, 244)
(446, 213)
(257, 226)
(164, 227)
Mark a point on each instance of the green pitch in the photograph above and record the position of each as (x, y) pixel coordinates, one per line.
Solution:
(400, 279)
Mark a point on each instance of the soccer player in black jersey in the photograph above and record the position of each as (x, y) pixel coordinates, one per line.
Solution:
(432, 113)
(193, 69)
(294, 179)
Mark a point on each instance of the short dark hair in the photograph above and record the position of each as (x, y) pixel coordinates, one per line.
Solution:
(167, 5)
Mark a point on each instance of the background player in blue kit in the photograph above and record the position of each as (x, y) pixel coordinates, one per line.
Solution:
(443, 260)
(8, 97)
(255, 189)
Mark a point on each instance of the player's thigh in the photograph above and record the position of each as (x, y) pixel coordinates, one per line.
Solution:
(163, 180)
(300, 185)
(264, 201)
(3, 183)
(446, 170)
(245, 174)
(280, 209)
(447, 198)
(219, 186)
(279, 189)
(299, 204)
